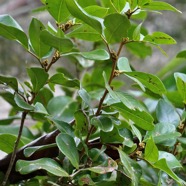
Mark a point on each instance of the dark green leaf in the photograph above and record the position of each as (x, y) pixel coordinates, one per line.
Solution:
(152, 82)
(9, 81)
(140, 118)
(22, 104)
(60, 79)
(181, 54)
(51, 166)
(10, 29)
(58, 10)
(158, 5)
(7, 142)
(63, 45)
(67, 146)
(39, 47)
(117, 26)
(160, 38)
(151, 151)
(77, 11)
(166, 113)
(9, 120)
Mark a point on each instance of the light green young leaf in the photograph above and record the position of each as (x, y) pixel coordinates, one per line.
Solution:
(10, 29)
(67, 146)
(9, 81)
(151, 151)
(39, 47)
(60, 79)
(117, 26)
(133, 4)
(123, 64)
(152, 82)
(181, 84)
(63, 45)
(97, 11)
(136, 33)
(22, 104)
(159, 38)
(38, 77)
(58, 10)
(50, 165)
(118, 4)
(77, 11)
(159, 5)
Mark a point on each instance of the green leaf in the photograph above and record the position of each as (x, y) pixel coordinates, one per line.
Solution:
(62, 107)
(109, 166)
(133, 4)
(10, 29)
(158, 5)
(118, 4)
(136, 132)
(77, 11)
(9, 81)
(38, 77)
(60, 79)
(22, 104)
(136, 33)
(117, 26)
(39, 108)
(85, 32)
(103, 122)
(164, 134)
(50, 165)
(160, 38)
(63, 45)
(67, 146)
(181, 84)
(39, 47)
(7, 142)
(166, 113)
(152, 82)
(140, 118)
(9, 120)
(181, 54)
(123, 64)
(170, 159)
(97, 11)
(57, 9)
(151, 151)
(29, 151)
(162, 165)
(85, 96)
(81, 123)
(85, 180)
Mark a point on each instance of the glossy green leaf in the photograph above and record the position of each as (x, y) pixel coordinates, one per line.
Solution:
(97, 11)
(117, 26)
(22, 103)
(109, 166)
(181, 54)
(118, 4)
(152, 82)
(164, 134)
(67, 146)
(103, 122)
(50, 165)
(10, 29)
(166, 113)
(140, 118)
(38, 77)
(9, 81)
(81, 123)
(162, 165)
(57, 9)
(151, 151)
(63, 45)
(123, 64)
(160, 38)
(159, 5)
(170, 159)
(29, 151)
(77, 11)
(136, 33)
(7, 142)
(62, 107)
(181, 84)
(39, 47)
(60, 79)
(39, 108)
(85, 32)
(85, 96)
(136, 132)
